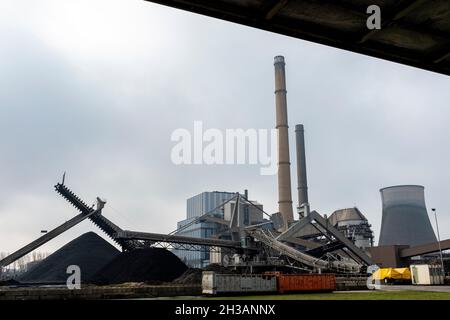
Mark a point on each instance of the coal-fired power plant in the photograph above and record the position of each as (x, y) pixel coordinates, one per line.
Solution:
(228, 239)
(302, 182)
(405, 219)
(284, 164)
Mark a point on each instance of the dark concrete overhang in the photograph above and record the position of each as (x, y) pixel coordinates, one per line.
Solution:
(414, 32)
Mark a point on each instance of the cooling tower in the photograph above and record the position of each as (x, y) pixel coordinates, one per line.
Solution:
(405, 219)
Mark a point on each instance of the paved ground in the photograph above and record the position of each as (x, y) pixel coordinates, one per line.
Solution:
(342, 294)
(417, 288)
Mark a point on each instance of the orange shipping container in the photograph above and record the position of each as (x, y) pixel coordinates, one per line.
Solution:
(305, 282)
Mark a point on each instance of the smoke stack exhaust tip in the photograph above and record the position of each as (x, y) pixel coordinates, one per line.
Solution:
(279, 59)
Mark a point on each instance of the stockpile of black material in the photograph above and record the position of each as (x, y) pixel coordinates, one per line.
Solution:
(90, 252)
(9, 282)
(191, 276)
(151, 265)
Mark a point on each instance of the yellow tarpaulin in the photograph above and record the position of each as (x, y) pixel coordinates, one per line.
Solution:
(392, 273)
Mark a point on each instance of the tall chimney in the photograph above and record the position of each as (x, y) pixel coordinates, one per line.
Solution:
(302, 182)
(284, 165)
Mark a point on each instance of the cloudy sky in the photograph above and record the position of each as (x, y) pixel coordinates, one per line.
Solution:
(96, 88)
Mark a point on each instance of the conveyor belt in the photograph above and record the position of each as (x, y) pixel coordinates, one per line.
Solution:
(106, 225)
(46, 238)
(270, 241)
(157, 237)
(354, 251)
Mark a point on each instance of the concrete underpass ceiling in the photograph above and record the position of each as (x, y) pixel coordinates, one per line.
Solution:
(414, 32)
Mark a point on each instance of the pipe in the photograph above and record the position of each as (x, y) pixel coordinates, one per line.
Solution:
(302, 182)
(284, 165)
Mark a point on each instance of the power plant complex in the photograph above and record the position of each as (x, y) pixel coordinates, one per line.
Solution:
(233, 232)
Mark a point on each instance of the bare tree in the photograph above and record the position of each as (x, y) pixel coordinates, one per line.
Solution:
(21, 264)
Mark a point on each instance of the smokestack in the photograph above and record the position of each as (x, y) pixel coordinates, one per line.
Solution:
(284, 165)
(302, 182)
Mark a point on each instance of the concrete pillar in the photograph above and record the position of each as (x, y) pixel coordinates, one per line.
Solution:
(284, 165)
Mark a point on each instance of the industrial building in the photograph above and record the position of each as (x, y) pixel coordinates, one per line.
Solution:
(252, 213)
(217, 204)
(197, 206)
(354, 225)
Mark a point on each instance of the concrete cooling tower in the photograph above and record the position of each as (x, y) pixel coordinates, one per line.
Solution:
(405, 219)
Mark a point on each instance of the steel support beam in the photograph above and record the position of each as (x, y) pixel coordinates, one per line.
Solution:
(302, 242)
(293, 229)
(424, 249)
(214, 219)
(339, 236)
(323, 223)
(157, 237)
(46, 238)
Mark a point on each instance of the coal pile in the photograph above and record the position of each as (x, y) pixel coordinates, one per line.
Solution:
(9, 282)
(150, 265)
(89, 251)
(191, 276)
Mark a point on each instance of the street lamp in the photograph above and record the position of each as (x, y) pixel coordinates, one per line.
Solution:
(439, 241)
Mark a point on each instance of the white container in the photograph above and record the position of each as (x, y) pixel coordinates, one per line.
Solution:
(424, 274)
(215, 283)
(215, 255)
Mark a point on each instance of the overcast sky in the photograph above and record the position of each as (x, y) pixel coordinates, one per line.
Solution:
(96, 88)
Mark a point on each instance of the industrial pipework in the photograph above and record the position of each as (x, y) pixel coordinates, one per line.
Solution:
(284, 165)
